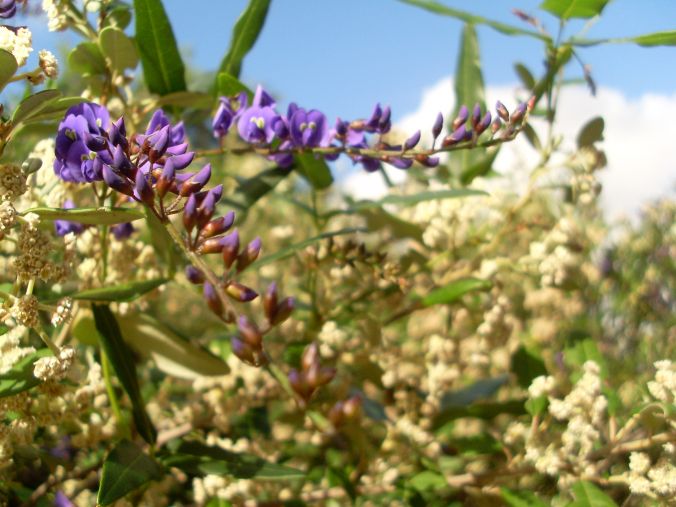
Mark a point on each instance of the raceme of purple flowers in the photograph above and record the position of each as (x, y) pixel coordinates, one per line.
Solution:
(260, 125)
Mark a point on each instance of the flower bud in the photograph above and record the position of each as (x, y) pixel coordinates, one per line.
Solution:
(270, 302)
(310, 356)
(230, 248)
(250, 333)
(219, 225)
(412, 141)
(518, 113)
(181, 161)
(118, 134)
(194, 275)
(190, 213)
(242, 350)
(384, 124)
(460, 120)
(496, 125)
(455, 137)
(143, 190)
(503, 113)
(117, 182)
(95, 143)
(213, 300)
(120, 161)
(284, 309)
(196, 182)
(298, 384)
(157, 144)
(483, 124)
(206, 210)
(240, 292)
(166, 179)
(476, 115)
(438, 125)
(249, 254)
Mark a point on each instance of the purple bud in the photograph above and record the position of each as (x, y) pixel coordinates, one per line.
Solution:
(476, 115)
(250, 332)
(117, 182)
(518, 113)
(484, 123)
(196, 182)
(310, 356)
(242, 350)
(95, 143)
(270, 302)
(463, 114)
(341, 127)
(219, 225)
(240, 292)
(166, 179)
(205, 210)
(194, 275)
(182, 161)
(412, 141)
(284, 309)
(250, 254)
(118, 134)
(438, 125)
(457, 136)
(495, 126)
(230, 248)
(157, 142)
(120, 161)
(372, 124)
(213, 300)
(190, 213)
(400, 163)
(144, 191)
(502, 111)
(384, 123)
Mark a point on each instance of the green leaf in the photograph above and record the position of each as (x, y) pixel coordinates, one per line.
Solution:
(118, 15)
(454, 291)
(20, 377)
(228, 85)
(164, 246)
(315, 170)
(566, 9)
(579, 350)
(125, 469)
(54, 110)
(122, 361)
(244, 36)
(439, 8)
(200, 459)
(478, 390)
(667, 38)
(428, 480)
(197, 100)
(525, 75)
(172, 354)
(162, 64)
(8, 67)
(104, 215)
(481, 410)
(591, 133)
(378, 218)
(87, 59)
(34, 104)
(250, 190)
(124, 292)
(527, 365)
(588, 495)
(118, 49)
(479, 164)
(290, 250)
(521, 498)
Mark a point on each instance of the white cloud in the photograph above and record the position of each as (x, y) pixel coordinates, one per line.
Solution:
(639, 133)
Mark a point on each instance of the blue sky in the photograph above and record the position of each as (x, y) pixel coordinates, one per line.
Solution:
(343, 56)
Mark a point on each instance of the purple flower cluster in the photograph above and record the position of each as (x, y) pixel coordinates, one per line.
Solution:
(7, 8)
(280, 136)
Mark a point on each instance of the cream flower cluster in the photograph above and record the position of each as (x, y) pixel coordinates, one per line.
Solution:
(663, 387)
(19, 43)
(54, 368)
(56, 13)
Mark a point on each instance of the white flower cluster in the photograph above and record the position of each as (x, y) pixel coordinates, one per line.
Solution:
(63, 312)
(585, 188)
(12, 182)
(658, 480)
(7, 217)
(25, 310)
(35, 248)
(48, 64)
(331, 339)
(663, 387)
(56, 12)
(11, 350)
(441, 370)
(555, 261)
(224, 488)
(543, 385)
(52, 367)
(19, 43)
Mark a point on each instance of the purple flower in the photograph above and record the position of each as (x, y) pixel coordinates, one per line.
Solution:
(64, 227)
(74, 160)
(227, 113)
(61, 500)
(262, 98)
(122, 231)
(308, 128)
(256, 124)
(7, 8)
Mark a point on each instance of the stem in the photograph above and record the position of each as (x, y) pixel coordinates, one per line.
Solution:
(114, 403)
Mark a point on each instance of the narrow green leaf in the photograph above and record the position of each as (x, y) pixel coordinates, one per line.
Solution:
(54, 110)
(20, 377)
(34, 104)
(228, 85)
(532, 136)
(87, 59)
(118, 49)
(122, 361)
(162, 64)
(667, 38)
(454, 291)
(479, 164)
(197, 100)
(165, 248)
(244, 36)
(290, 250)
(566, 9)
(315, 170)
(469, 80)
(124, 292)
(412, 199)
(171, 353)
(91, 216)
(444, 10)
(378, 218)
(200, 459)
(525, 75)
(521, 498)
(8, 67)
(588, 495)
(125, 469)
(526, 365)
(250, 190)
(591, 133)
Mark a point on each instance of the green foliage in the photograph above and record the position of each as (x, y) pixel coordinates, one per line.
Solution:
(162, 64)
(118, 49)
(588, 495)
(125, 292)
(8, 67)
(20, 377)
(103, 215)
(454, 291)
(567, 9)
(125, 469)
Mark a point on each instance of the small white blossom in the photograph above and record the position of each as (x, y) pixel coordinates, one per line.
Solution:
(19, 43)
